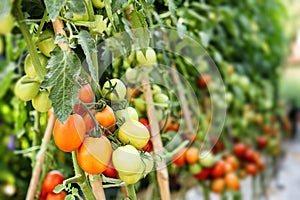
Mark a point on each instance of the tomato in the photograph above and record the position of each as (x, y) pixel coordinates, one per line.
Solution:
(86, 94)
(251, 169)
(258, 119)
(262, 142)
(6, 24)
(78, 109)
(69, 136)
(206, 159)
(161, 99)
(135, 133)
(232, 181)
(239, 149)
(192, 155)
(26, 91)
(228, 168)
(59, 196)
(118, 93)
(89, 123)
(155, 89)
(250, 155)
(242, 174)
(179, 158)
(127, 160)
(29, 68)
(46, 46)
(145, 122)
(131, 178)
(203, 174)
(148, 147)
(41, 102)
(172, 124)
(43, 194)
(132, 75)
(106, 118)
(126, 114)
(195, 168)
(232, 160)
(218, 185)
(110, 171)
(218, 169)
(94, 154)
(150, 58)
(147, 163)
(98, 3)
(204, 80)
(140, 104)
(52, 179)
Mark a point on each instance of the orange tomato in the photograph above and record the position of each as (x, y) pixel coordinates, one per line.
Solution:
(218, 185)
(233, 161)
(232, 181)
(172, 124)
(94, 154)
(106, 117)
(192, 155)
(69, 136)
(179, 158)
(85, 93)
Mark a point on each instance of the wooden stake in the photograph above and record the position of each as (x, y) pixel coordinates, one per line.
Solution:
(162, 172)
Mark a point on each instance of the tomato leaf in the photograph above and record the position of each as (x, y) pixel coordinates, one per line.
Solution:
(54, 7)
(88, 45)
(117, 4)
(140, 27)
(59, 188)
(69, 197)
(76, 6)
(108, 9)
(64, 70)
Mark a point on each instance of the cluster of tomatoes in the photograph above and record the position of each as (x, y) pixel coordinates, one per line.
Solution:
(92, 133)
(51, 180)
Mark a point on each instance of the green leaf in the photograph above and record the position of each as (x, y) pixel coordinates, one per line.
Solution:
(64, 70)
(54, 7)
(76, 6)
(109, 11)
(141, 31)
(5, 7)
(117, 5)
(172, 7)
(59, 188)
(6, 73)
(88, 45)
(69, 197)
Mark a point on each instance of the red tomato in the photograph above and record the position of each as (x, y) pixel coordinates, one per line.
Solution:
(203, 174)
(52, 179)
(43, 194)
(179, 158)
(218, 169)
(239, 149)
(59, 196)
(110, 171)
(172, 124)
(148, 147)
(204, 80)
(78, 109)
(251, 169)
(262, 142)
(86, 94)
(250, 155)
(145, 122)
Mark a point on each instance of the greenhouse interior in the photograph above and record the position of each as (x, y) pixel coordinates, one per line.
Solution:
(149, 99)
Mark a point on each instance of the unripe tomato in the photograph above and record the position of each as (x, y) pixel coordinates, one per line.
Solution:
(156, 89)
(147, 163)
(192, 155)
(132, 178)
(161, 99)
(179, 158)
(41, 102)
(98, 3)
(218, 169)
(206, 159)
(119, 92)
(195, 168)
(86, 94)
(139, 104)
(106, 117)
(150, 58)
(135, 133)
(232, 181)
(59, 196)
(46, 46)
(218, 185)
(29, 68)
(131, 75)
(69, 136)
(94, 154)
(127, 160)
(6, 24)
(52, 179)
(126, 114)
(26, 91)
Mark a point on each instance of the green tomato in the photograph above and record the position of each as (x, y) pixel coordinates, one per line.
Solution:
(127, 160)
(161, 99)
(135, 133)
(29, 68)
(148, 163)
(46, 46)
(98, 3)
(131, 75)
(126, 114)
(119, 92)
(26, 91)
(6, 24)
(130, 179)
(41, 102)
(206, 159)
(150, 58)
(139, 104)
(156, 89)
(195, 168)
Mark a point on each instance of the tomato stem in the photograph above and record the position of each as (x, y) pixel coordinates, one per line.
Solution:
(131, 192)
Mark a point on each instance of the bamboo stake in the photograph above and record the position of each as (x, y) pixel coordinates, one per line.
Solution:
(40, 159)
(162, 172)
(97, 187)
